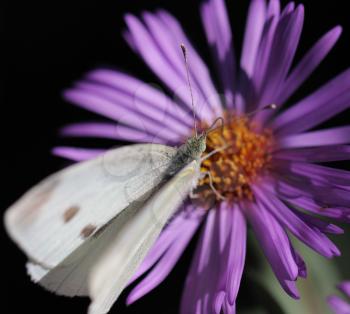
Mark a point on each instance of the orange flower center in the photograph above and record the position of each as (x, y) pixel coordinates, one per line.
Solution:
(234, 169)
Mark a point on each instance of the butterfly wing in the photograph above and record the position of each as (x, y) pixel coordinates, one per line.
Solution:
(59, 214)
(102, 266)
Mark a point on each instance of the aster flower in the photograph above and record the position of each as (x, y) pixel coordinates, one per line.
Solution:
(271, 176)
(337, 304)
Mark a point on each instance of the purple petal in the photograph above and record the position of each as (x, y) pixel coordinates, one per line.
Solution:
(192, 299)
(282, 54)
(302, 196)
(254, 27)
(166, 263)
(215, 274)
(142, 94)
(309, 205)
(236, 251)
(321, 225)
(329, 100)
(110, 131)
(315, 154)
(98, 104)
(324, 193)
(302, 271)
(264, 53)
(304, 232)
(318, 172)
(165, 240)
(77, 154)
(333, 136)
(218, 31)
(135, 106)
(273, 8)
(274, 241)
(345, 287)
(338, 305)
(168, 41)
(309, 63)
(153, 50)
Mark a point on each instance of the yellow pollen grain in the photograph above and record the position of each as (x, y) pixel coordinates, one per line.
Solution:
(235, 168)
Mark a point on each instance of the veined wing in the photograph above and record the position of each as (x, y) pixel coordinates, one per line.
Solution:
(103, 265)
(56, 216)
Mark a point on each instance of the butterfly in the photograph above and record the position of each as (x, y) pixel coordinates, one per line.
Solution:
(87, 228)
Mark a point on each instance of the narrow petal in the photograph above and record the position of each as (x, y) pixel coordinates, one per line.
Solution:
(329, 100)
(303, 197)
(169, 70)
(135, 106)
(108, 108)
(236, 252)
(254, 27)
(309, 63)
(309, 205)
(166, 263)
(143, 94)
(213, 282)
(333, 136)
(77, 154)
(282, 55)
(302, 271)
(315, 154)
(191, 299)
(110, 131)
(218, 31)
(338, 305)
(166, 239)
(345, 287)
(321, 225)
(331, 175)
(273, 8)
(276, 247)
(168, 39)
(304, 232)
(274, 241)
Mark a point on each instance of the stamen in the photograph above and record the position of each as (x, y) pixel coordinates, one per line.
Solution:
(235, 168)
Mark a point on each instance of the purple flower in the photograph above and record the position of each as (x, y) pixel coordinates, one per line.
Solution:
(337, 304)
(271, 174)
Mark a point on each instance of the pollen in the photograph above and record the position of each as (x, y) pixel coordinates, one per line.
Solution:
(232, 170)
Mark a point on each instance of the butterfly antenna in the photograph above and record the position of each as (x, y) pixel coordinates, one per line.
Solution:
(184, 52)
(267, 107)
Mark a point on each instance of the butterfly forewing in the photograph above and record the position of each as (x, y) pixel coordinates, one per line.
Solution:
(55, 217)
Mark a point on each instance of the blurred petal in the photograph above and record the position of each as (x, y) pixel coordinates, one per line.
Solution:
(218, 31)
(327, 101)
(345, 287)
(253, 30)
(110, 131)
(338, 305)
(77, 154)
(142, 94)
(333, 136)
(108, 108)
(315, 154)
(167, 262)
(303, 231)
(309, 63)
(274, 242)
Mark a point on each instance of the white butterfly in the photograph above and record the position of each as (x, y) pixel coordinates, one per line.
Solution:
(88, 227)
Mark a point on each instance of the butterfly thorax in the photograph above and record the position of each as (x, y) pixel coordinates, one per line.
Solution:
(191, 150)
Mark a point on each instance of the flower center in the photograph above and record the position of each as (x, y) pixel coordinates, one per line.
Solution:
(233, 169)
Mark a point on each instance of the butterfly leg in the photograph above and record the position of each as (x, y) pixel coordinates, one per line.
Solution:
(211, 184)
(215, 151)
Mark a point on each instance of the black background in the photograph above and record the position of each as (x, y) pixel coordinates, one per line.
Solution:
(48, 45)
